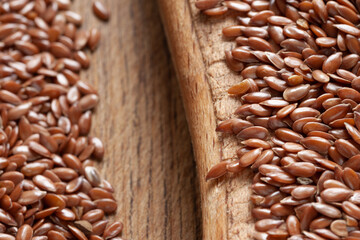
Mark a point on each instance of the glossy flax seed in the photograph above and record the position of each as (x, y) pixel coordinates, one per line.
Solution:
(298, 118)
(49, 187)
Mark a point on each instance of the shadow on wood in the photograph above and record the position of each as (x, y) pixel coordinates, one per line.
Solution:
(141, 120)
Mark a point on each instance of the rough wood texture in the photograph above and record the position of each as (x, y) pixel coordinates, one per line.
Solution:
(197, 49)
(141, 120)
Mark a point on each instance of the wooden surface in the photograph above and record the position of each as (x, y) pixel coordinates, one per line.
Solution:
(197, 49)
(140, 119)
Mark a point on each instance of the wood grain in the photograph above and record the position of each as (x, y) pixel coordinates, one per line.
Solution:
(197, 49)
(141, 120)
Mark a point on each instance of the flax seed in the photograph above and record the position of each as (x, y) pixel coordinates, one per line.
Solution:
(103, 13)
(308, 113)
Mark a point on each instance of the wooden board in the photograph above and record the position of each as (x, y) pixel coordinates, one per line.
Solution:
(197, 49)
(141, 120)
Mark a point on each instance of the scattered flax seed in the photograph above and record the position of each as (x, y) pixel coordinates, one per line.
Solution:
(49, 188)
(101, 11)
(299, 113)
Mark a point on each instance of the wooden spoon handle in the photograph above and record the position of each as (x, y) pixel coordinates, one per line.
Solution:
(225, 213)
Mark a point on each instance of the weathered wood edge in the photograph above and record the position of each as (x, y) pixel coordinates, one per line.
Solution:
(199, 108)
